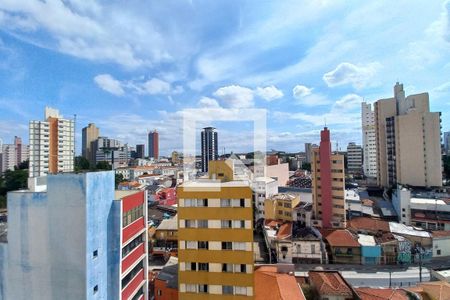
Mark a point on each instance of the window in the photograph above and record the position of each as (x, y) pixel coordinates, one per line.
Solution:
(159, 293)
(240, 290)
(242, 202)
(239, 224)
(203, 266)
(95, 289)
(226, 223)
(95, 254)
(227, 268)
(190, 266)
(132, 245)
(191, 288)
(242, 268)
(202, 202)
(227, 289)
(132, 274)
(203, 288)
(225, 202)
(132, 215)
(227, 245)
(238, 246)
(190, 223)
(202, 224)
(438, 252)
(203, 245)
(191, 245)
(313, 249)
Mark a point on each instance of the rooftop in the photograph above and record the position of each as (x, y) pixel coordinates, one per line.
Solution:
(330, 283)
(441, 233)
(269, 284)
(169, 274)
(339, 238)
(407, 230)
(382, 294)
(368, 224)
(214, 184)
(366, 240)
(124, 193)
(169, 224)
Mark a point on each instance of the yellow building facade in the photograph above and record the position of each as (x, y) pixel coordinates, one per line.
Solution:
(215, 240)
(281, 206)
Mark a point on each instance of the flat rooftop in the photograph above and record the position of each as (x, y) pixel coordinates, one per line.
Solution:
(120, 194)
(215, 184)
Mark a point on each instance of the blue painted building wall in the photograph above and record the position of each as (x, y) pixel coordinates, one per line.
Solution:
(370, 254)
(52, 237)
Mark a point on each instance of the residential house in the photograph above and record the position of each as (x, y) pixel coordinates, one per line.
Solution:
(441, 243)
(331, 285)
(281, 207)
(382, 294)
(270, 283)
(166, 238)
(370, 250)
(342, 246)
(166, 283)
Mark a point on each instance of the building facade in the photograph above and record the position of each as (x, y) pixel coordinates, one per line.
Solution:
(111, 151)
(11, 155)
(89, 134)
(408, 141)
(447, 143)
(153, 144)
(328, 185)
(354, 159)
(97, 249)
(209, 144)
(52, 144)
(369, 140)
(215, 248)
(140, 151)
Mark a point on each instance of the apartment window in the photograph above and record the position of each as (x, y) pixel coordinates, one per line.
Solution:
(202, 202)
(438, 252)
(280, 212)
(192, 266)
(239, 224)
(226, 223)
(227, 267)
(203, 245)
(190, 202)
(227, 245)
(242, 202)
(202, 223)
(191, 288)
(242, 268)
(313, 249)
(203, 288)
(191, 245)
(132, 245)
(240, 290)
(238, 246)
(95, 254)
(227, 289)
(190, 223)
(225, 202)
(132, 274)
(95, 289)
(203, 266)
(159, 293)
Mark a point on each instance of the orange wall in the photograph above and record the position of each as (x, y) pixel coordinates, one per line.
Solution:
(166, 293)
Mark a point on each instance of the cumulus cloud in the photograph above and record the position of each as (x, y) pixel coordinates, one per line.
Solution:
(207, 102)
(110, 84)
(347, 73)
(235, 96)
(153, 86)
(269, 93)
(305, 96)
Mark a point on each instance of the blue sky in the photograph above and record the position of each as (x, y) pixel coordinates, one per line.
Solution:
(135, 66)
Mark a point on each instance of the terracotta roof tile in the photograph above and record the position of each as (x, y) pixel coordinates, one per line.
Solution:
(285, 231)
(441, 233)
(329, 283)
(381, 294)
(369, 224)
(269, 284)
(340, 238)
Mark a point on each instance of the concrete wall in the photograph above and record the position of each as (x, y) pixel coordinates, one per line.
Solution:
(443, 244)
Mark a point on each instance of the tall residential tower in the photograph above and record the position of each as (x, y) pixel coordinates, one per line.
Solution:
(153, 144)
(52, 144)
(408, 140)
(369, 140)
(89, 134)
(209, 146)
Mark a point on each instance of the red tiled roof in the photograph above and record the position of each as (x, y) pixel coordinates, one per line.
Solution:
(369, 224)
(285, 231)
(441, 233)
(339, 238)
(271, 223)
(269, 284)
(382, 294)
(329, 283)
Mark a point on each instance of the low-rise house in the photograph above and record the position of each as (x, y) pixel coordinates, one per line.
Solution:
(441, 243)
(342, 245)
(420, 240)
(270, 283)
(166, 283)
(280, 207)
(395, 249)
(331, 285)
(367, 225)
(166, 238)
(370, 250)
(383, 294)
(436, 290)
(166, 196)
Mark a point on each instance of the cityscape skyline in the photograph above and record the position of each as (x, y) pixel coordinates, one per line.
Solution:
(286, 73)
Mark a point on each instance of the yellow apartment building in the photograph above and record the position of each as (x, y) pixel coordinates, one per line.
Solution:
(281, 206)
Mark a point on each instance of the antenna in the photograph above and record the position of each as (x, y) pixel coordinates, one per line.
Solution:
(74, 139)
(325, 120)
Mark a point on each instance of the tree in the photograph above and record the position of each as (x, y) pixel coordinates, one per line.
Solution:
(81, 163)
(103, 165)
(306, 166)
(11, 181)
(118, 179)
(446, 161)
(24, 165)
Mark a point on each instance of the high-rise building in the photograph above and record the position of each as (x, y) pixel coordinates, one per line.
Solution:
(408, 141)
(89, 134)
(52, 144)
(308, 152)
(111, 151)
(90, 243)
(369, 140)
(354, 159)
(215, 252)
(11, 155)
(328, 185)
(209, 146)
(140, 151)
(447, 143)
(153, 144)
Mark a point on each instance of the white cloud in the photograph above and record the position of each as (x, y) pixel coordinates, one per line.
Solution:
(305, 96)
(347, 73)
(235, 96)
(300, 91)
(269, 93)
(153, 86)
(207, 102)
(110, 84)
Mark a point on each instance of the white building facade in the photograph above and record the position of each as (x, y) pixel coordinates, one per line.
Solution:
(369, 140)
